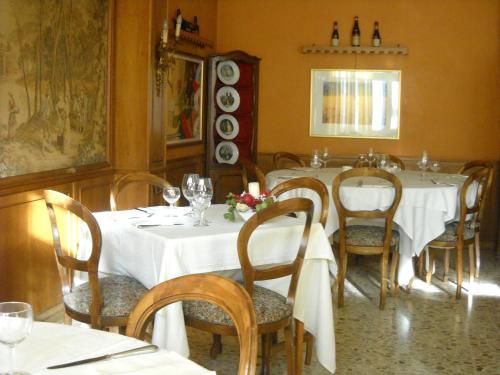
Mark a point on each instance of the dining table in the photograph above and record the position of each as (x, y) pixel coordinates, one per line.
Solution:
(52, 344)
(155, 244)
(429, 201)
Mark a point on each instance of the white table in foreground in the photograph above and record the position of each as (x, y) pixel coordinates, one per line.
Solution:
(52, 344)
(426, 205)
(155, 254)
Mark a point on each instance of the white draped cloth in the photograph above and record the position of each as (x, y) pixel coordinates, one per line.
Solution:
(175, 248)
(426, 205)
(53, 344)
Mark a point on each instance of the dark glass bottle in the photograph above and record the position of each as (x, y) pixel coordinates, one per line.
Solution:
(376, 39)
(335, 35)
(196, 27)
(356, 34)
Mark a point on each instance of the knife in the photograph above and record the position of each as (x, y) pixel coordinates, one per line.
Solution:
(140, 350)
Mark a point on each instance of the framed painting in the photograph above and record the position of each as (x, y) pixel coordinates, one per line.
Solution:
(183, 100)
(355, 103)
(54, 85)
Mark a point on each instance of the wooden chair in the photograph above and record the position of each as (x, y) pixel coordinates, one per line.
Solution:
(320, 188)
(282, 159)
(251, 172)
(466, 169)
(100, 302)
(306, 183)
(135, 177)
(367, 239)
(398, 161)
(273, 311)
(459, 234)
(215, 290)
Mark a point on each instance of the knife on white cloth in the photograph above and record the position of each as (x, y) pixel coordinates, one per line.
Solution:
(126, 353)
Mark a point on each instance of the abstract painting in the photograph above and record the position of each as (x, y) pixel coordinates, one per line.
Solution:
(54, 72)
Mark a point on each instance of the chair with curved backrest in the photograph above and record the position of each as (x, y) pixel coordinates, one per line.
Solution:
(367, 239)
(231, 297)
(100, 302)
(320, 188)
(466, 169)
(306, 183)
(135, 177)
(286, 159)
(273, 311)
(459, 234)
(251, 172)
(398, 161)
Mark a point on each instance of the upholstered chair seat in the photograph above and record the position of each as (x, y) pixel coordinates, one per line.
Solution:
(120, 294)
(366, 236)
(450, 233)
(269, 307)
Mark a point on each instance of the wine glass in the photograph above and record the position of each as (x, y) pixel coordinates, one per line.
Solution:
(202, 197)
(423, 163)
(435, 167)
(171, 195)
(188, 182)
(315, 160)
(382, 162)
(325, 156)
(16, 320)
(370, 157)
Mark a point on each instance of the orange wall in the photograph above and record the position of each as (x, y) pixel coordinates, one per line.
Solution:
(450, 92)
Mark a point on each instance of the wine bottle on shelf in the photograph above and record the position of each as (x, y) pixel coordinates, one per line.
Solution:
(376, 39)
(356, 34)
(196, 27)
(178, 24)
(335, 35)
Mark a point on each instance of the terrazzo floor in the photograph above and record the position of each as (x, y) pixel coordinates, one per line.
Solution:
(422, 332)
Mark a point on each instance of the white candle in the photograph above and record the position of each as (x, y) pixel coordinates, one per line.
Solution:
(254, 189)
(164, 33)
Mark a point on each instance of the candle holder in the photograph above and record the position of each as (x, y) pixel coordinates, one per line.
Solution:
(164, 60)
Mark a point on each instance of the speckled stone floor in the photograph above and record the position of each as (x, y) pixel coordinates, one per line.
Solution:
(423, 332)
(419, 333)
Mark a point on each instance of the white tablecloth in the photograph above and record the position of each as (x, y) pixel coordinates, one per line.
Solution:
(52, 344)
(156, 254)
(426, 205)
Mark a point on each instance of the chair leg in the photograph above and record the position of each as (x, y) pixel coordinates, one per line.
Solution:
(430, 255)
(421, 259)
(216, 346)
(383, 281)
(309, 339)
(299, 345)
(394, 273)
(459, 268)
(266, 354)
(446, 265)
(290, 356)
(478, 253)
(472, 263)
(341, 276)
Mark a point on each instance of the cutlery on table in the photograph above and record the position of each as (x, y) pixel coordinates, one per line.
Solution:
(156, 225)
(126, 353)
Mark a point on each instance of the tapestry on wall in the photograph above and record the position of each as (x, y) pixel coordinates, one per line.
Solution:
(53, 84)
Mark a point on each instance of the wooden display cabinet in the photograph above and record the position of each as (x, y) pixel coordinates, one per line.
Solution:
(237, 128)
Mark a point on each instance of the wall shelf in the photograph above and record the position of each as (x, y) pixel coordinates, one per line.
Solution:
(355, 50)
(191, 38)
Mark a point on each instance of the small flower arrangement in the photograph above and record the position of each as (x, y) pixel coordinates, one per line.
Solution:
(246, 202)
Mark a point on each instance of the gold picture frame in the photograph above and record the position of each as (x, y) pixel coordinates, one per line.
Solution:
(355, 103)
(183, 100)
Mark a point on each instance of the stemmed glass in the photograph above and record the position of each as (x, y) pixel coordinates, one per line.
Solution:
(16, 320)
(188, 183)
(382, 162)
(370, 158)
(423, 163)
(325, 156)
(202, 197)
(435, 167)
(171, 195)
(315, 160)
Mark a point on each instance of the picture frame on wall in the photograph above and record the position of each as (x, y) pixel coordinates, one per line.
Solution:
(184, 100)
(54, 87)
(355, 103)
